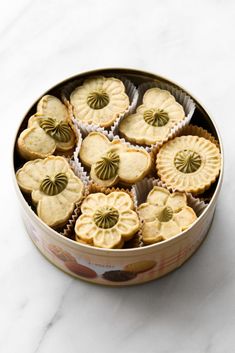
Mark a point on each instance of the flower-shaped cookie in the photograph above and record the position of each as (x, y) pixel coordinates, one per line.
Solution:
(111, 162)
(48, 130)
(53, 186)
(189, 163)
(154, 119)
(100, 100)
(164, 215)
(107, 221)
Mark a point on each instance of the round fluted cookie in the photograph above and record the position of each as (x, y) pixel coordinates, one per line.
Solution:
(188, 163)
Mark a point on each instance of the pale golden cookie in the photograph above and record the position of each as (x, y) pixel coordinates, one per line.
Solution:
(53, 186)
(48, 131)
(111, 162)
(100, 100)
(189, 163)
(107, 221)
(200, 132)
(154, 119)
(164, 215)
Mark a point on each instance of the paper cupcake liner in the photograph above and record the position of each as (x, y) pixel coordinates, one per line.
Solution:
(133, 95)
(85, 129)
(80, 172)
(67, 89)
(70, 154)
(206, 200)
(198, 131)
(181, 97)
(207, 195)
(68, 230)
(78, 137)
(143, 187)
(135, 242)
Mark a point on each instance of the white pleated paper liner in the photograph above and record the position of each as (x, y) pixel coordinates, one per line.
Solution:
(85, 128)
(181, 97)
(133, 94)
(79, 171)
(195, 130)
(143, 187)
(78, 138)
(68, 230)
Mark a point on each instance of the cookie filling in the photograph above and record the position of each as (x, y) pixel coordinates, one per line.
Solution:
(106, 217)
(156, 117)
(54, 186)
(187, 161)
(98, 99)
(58, 130)
(107, 167)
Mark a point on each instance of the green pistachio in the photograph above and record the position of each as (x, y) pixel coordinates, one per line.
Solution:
(58, 130)
(165, 215)
(187, 161)
(107, 167)
(106, 217)
(53, 186)
(98, 99)
(156, 117)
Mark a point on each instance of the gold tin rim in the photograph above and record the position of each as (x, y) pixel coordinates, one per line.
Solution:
(131, 251)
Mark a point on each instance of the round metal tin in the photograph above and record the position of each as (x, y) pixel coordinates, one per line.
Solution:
(119, 267)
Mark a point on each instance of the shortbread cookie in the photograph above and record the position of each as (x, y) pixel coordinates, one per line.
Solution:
(154, 119)
(107, 221)
(53, 186)
(100, 100)
(164, 215)
(48, 131)
(200, 132)
(111, 162)
(189, 163)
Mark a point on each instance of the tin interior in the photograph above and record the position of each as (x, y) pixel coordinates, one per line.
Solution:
(200, 116)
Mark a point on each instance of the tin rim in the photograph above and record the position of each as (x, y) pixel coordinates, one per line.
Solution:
(118, 252)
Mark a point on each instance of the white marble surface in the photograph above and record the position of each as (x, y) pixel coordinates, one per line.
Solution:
(42, 310)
